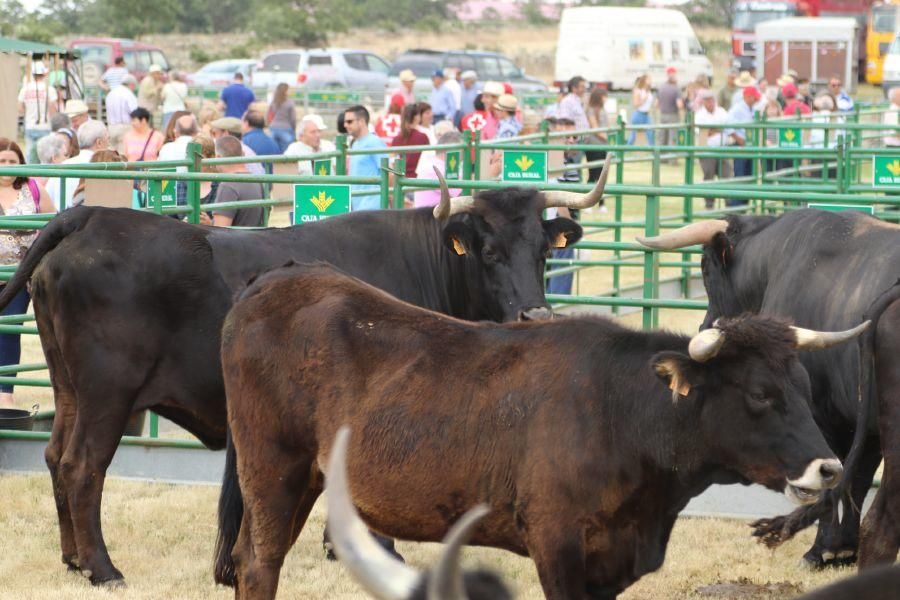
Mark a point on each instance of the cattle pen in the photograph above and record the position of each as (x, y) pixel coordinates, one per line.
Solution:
(652, 189)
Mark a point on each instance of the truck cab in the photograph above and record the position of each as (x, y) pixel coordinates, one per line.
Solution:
(747, 15)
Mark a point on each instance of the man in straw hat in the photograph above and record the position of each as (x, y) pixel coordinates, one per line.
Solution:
(743, 81)
(508, 125)
(37, 102)
(77, 111)
(403, 95)
(150, 89)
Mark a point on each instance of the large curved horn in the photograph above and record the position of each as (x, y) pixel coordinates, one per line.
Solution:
(580, 201)
(380, 574)
(446, 582)
(706, 344)
(447, 207)
(809, 339)
(695, 233)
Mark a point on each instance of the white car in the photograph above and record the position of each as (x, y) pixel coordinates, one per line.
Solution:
(221, 72)
(322, 68)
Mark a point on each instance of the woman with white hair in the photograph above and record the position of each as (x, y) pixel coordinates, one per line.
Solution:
(51, 150)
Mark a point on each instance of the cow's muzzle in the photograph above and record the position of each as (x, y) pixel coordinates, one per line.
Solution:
(821, 474)
(540, 313)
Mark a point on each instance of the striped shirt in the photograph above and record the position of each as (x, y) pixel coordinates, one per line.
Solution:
(114, 76)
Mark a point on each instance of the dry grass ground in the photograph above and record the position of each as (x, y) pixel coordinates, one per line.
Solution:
(161, 537)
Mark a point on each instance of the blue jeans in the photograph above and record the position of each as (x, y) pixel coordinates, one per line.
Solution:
(11, 343)
(743, 167)
(639, 117)
(561, 284)
(283, 136)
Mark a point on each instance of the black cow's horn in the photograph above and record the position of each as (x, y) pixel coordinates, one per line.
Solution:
(706, 344)
(448, 206)
(575, 200)
(446, 582)
(809, 339)
(695, 233)
(380, 574)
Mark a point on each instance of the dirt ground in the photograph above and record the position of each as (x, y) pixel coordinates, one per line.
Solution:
(161, 537)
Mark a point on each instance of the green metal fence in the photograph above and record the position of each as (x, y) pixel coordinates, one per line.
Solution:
(647, 196)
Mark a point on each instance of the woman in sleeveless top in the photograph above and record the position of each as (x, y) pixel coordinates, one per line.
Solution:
(18, 196)
(141, 141)
(641, 104)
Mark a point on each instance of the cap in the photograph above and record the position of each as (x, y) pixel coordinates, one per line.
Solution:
(38, 68)
(75, 107)
(507, 102)
(407, 75)
(398, 100)
(318, 120)
(154, 69)
(469, 75)
(752, 92)
(507, 88)
(671, 70)
(744, 79)
(493, 88)
(789, 90)
(438, 73)
(705, 94)
(229, 124)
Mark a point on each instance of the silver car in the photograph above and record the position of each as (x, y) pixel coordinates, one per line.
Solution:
(219, 73)
(322, 69)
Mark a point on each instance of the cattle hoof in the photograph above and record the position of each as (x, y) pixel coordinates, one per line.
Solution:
(71, 563)
(111, 584)
(329, 551)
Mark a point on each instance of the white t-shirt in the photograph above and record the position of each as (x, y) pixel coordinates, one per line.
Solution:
(718, 117)
(119, 104)
(37, 99)
(174, 94)
(304, 167)
(456, 90)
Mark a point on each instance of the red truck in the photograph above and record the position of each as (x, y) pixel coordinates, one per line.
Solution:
(749, 13)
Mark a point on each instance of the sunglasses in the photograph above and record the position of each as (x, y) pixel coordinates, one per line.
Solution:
(349, 121)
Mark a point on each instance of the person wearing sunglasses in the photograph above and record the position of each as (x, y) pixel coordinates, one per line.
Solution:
(842, 99)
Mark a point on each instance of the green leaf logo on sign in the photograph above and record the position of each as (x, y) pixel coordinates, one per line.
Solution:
(790, 138)
(452, 164)
(681, 138)
(524, 166)
(886, 170)
(322, 168)
(317, 202)
(161, 191)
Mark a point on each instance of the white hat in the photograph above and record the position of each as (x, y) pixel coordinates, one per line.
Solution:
(469, 75)
(319, 122)
(494, 88)
(154, 69)
(407, 75)
(38, 68)
(75, 107)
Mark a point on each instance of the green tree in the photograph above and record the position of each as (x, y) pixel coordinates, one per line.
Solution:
(13, 14)
(306, 23)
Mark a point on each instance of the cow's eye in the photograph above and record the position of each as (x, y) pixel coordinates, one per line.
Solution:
(761, 398)
(489, 254)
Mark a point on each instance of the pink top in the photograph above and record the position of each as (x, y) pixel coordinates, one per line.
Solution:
(432, 197)
(134, 145)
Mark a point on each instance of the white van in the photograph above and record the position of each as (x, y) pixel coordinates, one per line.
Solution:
(613, 46)
(892, 66)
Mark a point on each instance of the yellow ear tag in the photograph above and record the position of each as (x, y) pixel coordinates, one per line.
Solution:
(459, 248)
(682, 388)
(560, 241)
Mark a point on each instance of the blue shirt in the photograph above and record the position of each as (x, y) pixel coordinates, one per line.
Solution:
(262, 145)
(508, 128)
(467, 99)
(740, 113)
(442, 102)
(366, 197)
(237, 97)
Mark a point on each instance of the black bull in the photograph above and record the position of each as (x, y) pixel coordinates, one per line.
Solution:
(824, 270)
(583, 456)
(129, 307)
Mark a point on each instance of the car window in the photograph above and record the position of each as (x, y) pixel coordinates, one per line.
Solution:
(91, 53)
(488, 68)
(136, 60)
(376, 65)
(157, 58)
(286, 62)
(463, 62)
(508, 69)
(356, 61)
(421, 66)
(319, 60)
(676, 50)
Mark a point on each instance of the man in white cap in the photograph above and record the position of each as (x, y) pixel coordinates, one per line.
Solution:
(77, 111)
(469, 90)
(403, 95)
(37, 101)
(150, 90)
(120, 102)
(489, 96)
(310, 141)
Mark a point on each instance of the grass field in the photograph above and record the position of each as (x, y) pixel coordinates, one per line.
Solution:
(161, 537)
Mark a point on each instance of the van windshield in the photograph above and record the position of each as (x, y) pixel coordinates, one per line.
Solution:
(95, 53)
(895, 46)
(747, 20)
(422, 66)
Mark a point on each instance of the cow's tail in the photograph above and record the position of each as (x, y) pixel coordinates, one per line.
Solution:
(867, 391)
(231, 511)
(51, 235)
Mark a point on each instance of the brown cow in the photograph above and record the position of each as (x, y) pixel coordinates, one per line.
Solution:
(583, 456)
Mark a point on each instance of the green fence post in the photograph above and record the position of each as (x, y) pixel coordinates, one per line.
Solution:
(384, 188)
(857, 143)
(617, 210)
(399, 171)
(651, 259)
(545, 130)
(688, 203)
(467, 169)
(193, 187)
(340, 144)
(842, 166)
(477, 156)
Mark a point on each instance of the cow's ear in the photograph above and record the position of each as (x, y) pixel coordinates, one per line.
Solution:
(677, 371)
(721, 249)
(562, 232)
(458, 238)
